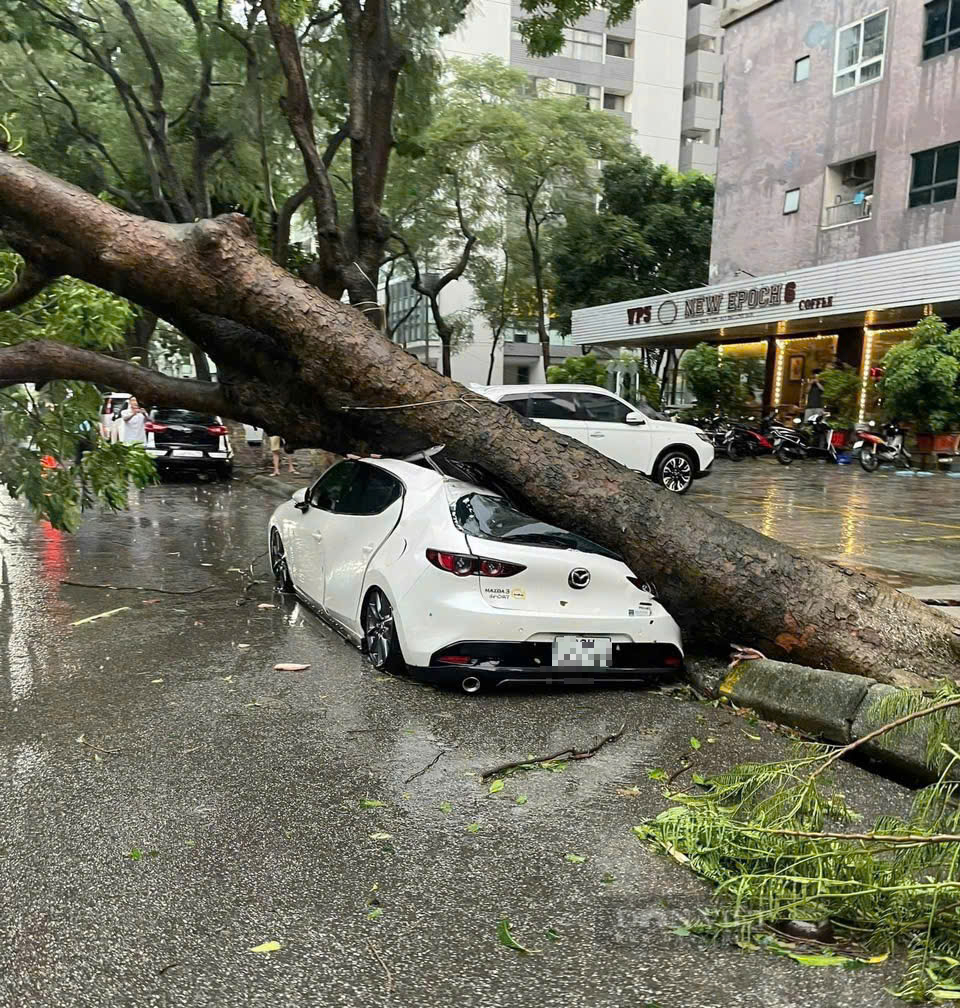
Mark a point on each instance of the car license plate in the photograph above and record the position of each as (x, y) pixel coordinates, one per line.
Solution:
(185, 453)
(582, 652)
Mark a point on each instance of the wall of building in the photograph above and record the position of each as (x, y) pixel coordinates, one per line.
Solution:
(778, 134)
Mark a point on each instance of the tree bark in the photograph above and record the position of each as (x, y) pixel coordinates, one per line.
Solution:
(314, 370)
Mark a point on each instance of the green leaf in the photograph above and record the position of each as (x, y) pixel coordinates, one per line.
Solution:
(375, 913)
(474, 827)
(381, 836)
(756, 738)
(135, 854)
(507, 939)
(608, 878)
(445, 806)
(268, 946)
(496, 786)
(694, 743)
(818, 959)
(521, 799)
(574, 858)
(553, 935)
(657, 774)
(371, 803)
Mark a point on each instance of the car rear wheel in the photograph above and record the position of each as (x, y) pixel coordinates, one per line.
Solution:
(278, 563)
(675, 472)
(380, 634)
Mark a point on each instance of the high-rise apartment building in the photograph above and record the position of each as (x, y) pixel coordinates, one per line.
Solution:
(702, 87)
(837, 217)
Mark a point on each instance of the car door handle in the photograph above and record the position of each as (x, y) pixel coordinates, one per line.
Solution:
(596, 434)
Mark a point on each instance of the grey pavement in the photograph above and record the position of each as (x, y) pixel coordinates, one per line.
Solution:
(163, 729)
(904, 529)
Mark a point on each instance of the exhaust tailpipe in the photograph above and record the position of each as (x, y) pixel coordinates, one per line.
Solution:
(470, 685)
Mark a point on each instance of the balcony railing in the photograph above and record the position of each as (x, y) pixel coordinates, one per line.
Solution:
(848, 212)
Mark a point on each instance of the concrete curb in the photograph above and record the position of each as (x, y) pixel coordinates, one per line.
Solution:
(833, 706)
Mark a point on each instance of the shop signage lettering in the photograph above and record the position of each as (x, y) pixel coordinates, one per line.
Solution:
(729, 303)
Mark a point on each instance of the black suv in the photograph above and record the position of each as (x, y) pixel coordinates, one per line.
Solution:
(180, 440)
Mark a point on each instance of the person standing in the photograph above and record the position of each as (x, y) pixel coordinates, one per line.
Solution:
(814, 396)
(276, 444)
(134, 420)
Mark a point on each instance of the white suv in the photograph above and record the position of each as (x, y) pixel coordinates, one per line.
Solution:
(673, 454)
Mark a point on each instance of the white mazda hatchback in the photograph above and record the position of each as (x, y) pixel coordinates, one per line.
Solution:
(446, 579)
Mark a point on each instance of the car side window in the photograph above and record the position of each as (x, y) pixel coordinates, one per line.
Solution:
(601, 408)
(370, 492)
(327, 491)
(553, 406)
(517, 403)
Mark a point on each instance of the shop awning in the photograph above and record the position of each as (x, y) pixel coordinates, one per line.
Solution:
(890, 289)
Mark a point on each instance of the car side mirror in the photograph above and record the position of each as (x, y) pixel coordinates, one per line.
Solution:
(300, 501)
(634, 419)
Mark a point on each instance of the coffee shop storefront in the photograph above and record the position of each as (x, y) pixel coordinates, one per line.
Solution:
(790, 324)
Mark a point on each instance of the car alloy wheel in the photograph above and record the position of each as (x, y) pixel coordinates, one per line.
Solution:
(676, 473)
(278, 563)
(380, 633)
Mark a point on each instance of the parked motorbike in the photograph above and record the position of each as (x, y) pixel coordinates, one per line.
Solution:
(716, 427)
(874, 450)
(743, 441)
(813, 440)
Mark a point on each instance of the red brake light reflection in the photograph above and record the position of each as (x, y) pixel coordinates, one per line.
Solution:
(463, 564)
(217, 429)
(152, 427)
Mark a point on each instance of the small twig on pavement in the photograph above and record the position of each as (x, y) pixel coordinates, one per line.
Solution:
(158, 591)
(569, 753)
(379, 959)
(90, 745)
(432, 762)
(676, 773)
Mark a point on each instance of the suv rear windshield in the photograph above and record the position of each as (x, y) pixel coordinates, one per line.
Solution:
(185, 417)
(489, 517)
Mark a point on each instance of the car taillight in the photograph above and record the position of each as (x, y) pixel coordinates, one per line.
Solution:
(152, 427)
(645, 586)
(217, 429)
(463, 565)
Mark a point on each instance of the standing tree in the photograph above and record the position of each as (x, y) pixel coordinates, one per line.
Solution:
(650, 235)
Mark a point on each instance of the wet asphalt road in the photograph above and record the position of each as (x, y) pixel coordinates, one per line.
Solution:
(243, 789)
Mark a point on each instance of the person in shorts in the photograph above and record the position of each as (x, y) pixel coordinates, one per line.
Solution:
(276, 446)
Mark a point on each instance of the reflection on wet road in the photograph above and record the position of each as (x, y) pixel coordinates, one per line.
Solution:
(169, 802)
(906, 529)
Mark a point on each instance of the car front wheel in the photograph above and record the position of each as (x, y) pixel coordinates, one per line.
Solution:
(278, 563)
(380, 634)
(675, 472)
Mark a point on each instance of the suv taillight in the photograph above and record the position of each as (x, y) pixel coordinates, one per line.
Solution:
(217, 429)
(152, 427)
(463, 565)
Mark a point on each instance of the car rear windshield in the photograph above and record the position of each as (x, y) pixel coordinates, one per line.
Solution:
(489, 517)
(185, 417)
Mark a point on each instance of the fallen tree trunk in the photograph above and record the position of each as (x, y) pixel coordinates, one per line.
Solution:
(295, 361)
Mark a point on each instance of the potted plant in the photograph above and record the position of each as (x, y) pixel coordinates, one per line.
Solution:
(841, 394)
(921, 385)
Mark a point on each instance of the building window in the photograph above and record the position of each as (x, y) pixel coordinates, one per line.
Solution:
(860, 49)
(619, 48)
(848, 191)
(582, 45)
(699, 89)
(935, 175)
(942, 32)
(613, 102)
(523, 375)
(701, 43)
(589, 92)
(791, 201)
(801, 68)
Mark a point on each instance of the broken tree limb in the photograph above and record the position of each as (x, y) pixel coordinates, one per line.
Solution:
(569, 753)
(291, 359)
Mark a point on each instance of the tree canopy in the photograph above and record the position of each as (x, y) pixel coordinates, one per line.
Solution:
(650, 235)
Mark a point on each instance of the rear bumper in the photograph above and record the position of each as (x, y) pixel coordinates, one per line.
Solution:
(506, 675)
(183, 459)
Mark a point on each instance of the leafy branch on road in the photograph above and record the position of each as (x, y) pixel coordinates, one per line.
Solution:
(773, 839)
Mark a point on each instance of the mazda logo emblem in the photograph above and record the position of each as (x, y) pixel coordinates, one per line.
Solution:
(579, 577)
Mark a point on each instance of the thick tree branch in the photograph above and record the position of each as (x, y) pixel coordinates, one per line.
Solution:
(28, 284)
(45, 360)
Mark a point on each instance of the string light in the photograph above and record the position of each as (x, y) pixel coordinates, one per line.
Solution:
(865, 372)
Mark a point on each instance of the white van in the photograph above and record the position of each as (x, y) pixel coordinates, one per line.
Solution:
(673, 454)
